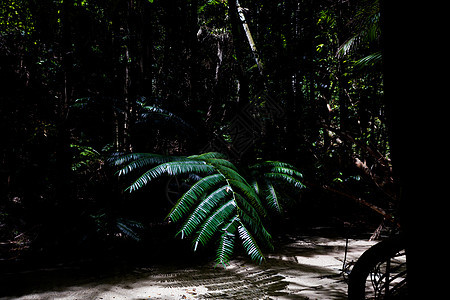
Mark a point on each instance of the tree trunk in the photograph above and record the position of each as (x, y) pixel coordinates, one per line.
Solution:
(243, 86)
(250, 40)
(416, 130)
(63, 152)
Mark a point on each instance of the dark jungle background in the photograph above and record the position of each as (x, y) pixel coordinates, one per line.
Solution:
(296, 81)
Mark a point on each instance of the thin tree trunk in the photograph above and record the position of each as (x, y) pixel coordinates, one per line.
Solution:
(243, 84)
(63, 153)
(250, 40)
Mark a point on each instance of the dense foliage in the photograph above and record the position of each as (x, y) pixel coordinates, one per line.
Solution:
(295, 81)
(221, 200)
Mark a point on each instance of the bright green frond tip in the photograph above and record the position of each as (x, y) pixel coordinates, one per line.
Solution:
(222, 204)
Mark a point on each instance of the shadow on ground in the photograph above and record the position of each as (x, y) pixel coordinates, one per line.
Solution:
(304, 268)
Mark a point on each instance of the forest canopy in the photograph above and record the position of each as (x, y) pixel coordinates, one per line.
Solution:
(299, 82)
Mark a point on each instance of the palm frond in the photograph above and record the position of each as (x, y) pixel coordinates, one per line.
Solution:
(270, 174)
(128, 227)
(221, 202)
(212, 224)
(172, 168)
(272, 198)
(366, 29)
(369, 60)
(249, 194)
(143, 160)
(257, 227)
(150, 112)
(203, 209)
(227, 241)
(197, 191)
(220, 162)
(208, 155)
(284, 178)
(250, 245)
(277, 167)
(349, 45)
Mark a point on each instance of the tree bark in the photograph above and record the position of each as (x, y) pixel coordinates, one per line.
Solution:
(250, 40)
(243, 86)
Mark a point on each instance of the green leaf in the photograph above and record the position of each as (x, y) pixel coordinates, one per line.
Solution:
(118, 159)
(204, 209)
(257, 227)
(208, 155)
(196, 192)
(143, 160)
(272, 198)
(250, 244)
(171, 168)
(222, 202)
(211, 225)
(369, 60)
(227, 241)
(249, 194)
(277, 167)
(284, 178)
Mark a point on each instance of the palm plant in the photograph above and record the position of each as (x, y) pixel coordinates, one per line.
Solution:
(366, 30)
(221, 203)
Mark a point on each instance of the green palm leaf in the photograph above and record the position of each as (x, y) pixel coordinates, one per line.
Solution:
(272, 198)
(250, 245)
(269, 174)
(369, 60)
(144, 160)
(277, 167)
(212, 224)
(205, 208)
(197, 191)
(284, 178)
(222, 202)
(172, 168)
(257, 227)
(249, 194)
(208, 155)
(227, 241)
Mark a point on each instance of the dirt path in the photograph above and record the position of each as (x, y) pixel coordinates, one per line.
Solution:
(305, 268)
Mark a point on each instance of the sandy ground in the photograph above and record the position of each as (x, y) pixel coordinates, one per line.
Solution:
(304, 268)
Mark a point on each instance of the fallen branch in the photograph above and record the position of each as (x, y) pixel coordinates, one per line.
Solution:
(382, 160)
(363, 202)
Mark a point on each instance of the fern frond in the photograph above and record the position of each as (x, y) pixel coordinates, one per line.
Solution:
(193, 194)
